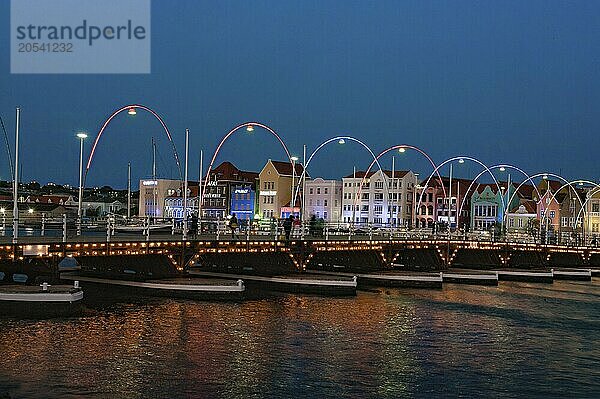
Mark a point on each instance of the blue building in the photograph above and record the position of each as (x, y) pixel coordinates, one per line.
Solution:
(242, 200)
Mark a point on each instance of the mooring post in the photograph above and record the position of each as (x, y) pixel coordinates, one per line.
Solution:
(108, 230)
(148, 228)
(64, 227)
(43, 230)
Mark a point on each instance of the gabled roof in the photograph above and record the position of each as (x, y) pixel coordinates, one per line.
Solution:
(285, 168)
(227, 171)
(481, 187)
(554, 185)
(526, 191)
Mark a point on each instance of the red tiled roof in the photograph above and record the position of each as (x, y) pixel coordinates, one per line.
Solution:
(227, 171)
(48, 199)
(285, 168)
(526, 191)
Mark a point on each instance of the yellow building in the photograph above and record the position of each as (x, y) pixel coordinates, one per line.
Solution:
(275, 187)
(592, 216)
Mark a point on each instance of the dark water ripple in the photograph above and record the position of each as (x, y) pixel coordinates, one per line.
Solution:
(515, 340)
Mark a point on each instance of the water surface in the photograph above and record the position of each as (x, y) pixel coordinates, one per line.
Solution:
(514, 340)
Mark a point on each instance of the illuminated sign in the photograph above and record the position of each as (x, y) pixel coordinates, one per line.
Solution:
(268, 193)
(149, 183)
(241, 191)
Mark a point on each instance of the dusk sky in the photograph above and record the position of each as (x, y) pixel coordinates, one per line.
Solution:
(504, 81)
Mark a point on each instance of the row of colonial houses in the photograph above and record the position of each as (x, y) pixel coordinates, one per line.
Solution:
(381, 198)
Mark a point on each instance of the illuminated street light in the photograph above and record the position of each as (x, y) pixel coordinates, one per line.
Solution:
(81, 136)
(30, 210)
(545, 177)
(502, 169)
(461, 161)
(294, 158)
(132, 111)
(342, 141)
(250, 128)
(402, 149)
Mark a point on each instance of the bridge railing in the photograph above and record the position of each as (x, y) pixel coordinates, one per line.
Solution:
(114, 227)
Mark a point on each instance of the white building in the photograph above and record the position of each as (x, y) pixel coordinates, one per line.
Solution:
(153, 194)
(383, 200)
(323, 199)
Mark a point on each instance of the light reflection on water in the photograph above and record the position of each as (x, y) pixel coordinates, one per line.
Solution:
(528, 340)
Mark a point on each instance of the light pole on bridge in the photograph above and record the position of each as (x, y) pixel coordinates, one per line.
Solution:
(81, 136)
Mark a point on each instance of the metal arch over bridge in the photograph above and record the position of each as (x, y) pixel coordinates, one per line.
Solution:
(117, 112)
(250, 126)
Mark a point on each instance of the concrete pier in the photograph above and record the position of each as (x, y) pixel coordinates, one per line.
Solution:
(572, 274)
(390, 279)
(526, 276)
(205, 289)
(40, 302)
(301, 283)
(470, 278)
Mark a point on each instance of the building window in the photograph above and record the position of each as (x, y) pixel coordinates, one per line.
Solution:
(325, 190)
(310, 190)
(318, 190)
(379, 184)
(324, 202)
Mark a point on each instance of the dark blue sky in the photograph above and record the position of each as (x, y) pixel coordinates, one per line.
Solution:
(504, 81)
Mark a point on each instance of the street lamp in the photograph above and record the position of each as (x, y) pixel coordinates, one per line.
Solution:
(292, 202)
(81, 136)
(250, 128)
(30, 210)
(342, 141)
(132, 112)
(402, 149)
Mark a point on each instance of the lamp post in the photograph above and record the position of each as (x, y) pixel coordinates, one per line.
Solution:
(292, 199)
(128, 191)
(16, 181)
(185, 184)
(81, 136)
(3, 212)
